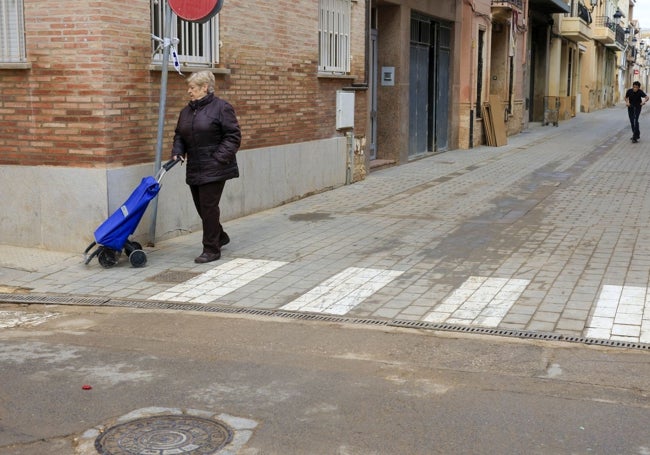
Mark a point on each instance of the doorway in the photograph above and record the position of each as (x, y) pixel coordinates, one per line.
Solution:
(430, 61)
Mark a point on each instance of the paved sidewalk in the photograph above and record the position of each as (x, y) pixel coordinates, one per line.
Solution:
(547, 235)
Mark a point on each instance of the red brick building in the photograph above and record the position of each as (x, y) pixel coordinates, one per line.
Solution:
(80, 84)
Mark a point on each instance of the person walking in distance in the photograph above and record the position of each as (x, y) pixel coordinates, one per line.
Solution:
(634, 99)
(208, 136)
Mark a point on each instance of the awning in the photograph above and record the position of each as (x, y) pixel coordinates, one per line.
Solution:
(549, 6)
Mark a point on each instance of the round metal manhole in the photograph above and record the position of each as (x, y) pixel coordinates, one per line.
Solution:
(164, 435)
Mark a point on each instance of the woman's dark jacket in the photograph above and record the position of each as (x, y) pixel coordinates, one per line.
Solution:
(208, 135)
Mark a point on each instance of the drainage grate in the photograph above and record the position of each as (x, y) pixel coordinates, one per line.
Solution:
(173, 276)
(52, 299)
(165, 435)
(148, 304)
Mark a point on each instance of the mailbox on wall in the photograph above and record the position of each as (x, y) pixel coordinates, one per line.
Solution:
(344, 110)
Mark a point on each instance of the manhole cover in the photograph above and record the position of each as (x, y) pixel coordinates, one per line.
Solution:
(164, 435)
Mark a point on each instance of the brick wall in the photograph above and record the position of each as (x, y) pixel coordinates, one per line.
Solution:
(90, 100)
(68, 108)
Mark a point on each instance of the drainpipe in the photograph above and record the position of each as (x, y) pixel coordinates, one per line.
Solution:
(349, 172)
(472, 95)
(471, 128)
(354, 87)
(360, 86)
(161, 115)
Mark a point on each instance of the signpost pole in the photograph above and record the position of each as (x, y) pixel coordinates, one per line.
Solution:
(161, 113)
(197, 11)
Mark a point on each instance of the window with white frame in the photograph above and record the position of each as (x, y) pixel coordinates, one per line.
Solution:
(334, 36)
(198, 44)
(12, 32)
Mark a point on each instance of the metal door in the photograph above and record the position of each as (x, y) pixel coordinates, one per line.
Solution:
(443, 63)
(419, 91)
(430, 62)
(418, 96)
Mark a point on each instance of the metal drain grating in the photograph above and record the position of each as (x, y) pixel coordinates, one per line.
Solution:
(52, 299)
(173, 276)
(147, 304)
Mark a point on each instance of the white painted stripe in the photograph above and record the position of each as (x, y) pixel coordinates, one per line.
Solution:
(219, 281)
(344, 291)
(479, 301)
(644, 336)
(9, 319)
(620, 315)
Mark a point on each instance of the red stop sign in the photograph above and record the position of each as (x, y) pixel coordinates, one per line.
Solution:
(196, 10)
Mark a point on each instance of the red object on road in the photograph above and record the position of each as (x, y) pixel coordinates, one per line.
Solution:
(86, 387)
(196, 10)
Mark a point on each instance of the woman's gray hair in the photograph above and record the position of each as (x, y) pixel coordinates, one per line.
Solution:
(202, 78)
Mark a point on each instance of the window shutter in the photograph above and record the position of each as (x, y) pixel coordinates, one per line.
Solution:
(12, 31)
(334, 35)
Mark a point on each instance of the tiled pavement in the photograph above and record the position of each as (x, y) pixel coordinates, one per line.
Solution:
(549, 234)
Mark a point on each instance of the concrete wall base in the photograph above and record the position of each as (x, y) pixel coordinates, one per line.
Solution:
(59, 208)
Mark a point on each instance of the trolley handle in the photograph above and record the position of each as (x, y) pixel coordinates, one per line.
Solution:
(165, 167)
(170, 164)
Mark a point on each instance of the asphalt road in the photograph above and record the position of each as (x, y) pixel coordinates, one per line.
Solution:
(309, 387)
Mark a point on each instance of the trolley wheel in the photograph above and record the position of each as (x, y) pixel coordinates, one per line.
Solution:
(138, 258)
(107, 258)
(130, 247)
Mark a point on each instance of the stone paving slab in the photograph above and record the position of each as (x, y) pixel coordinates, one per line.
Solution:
(532, 236)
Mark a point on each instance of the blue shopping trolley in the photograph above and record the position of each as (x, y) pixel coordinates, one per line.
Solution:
(112, 236)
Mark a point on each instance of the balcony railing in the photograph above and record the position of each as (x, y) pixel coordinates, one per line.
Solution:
(605, 21)
(584, 14)
(620, 35)
(615, 36)
(516, 4)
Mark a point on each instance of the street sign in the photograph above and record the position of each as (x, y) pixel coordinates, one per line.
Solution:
(196, 10)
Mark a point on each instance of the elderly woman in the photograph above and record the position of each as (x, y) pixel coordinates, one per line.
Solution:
(207, 136)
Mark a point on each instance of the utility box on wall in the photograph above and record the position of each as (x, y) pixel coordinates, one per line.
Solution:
(344, 109)
(388, 75)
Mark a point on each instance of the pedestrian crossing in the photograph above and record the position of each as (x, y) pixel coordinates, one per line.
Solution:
(619, 312)
(219, 281)
(480, 301)
(11, 319)
(344, 291)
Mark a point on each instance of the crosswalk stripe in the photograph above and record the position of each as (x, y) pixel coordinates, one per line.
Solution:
(9, 319)
(480, 301)
(619, 314)
(343, 291)
(219, 281)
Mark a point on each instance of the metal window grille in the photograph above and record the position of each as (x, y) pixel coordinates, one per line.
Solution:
(198, 43)
(12, 32)
(421, 30)
(334, 36)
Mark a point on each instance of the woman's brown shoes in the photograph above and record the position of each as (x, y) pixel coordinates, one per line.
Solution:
(207, 257)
